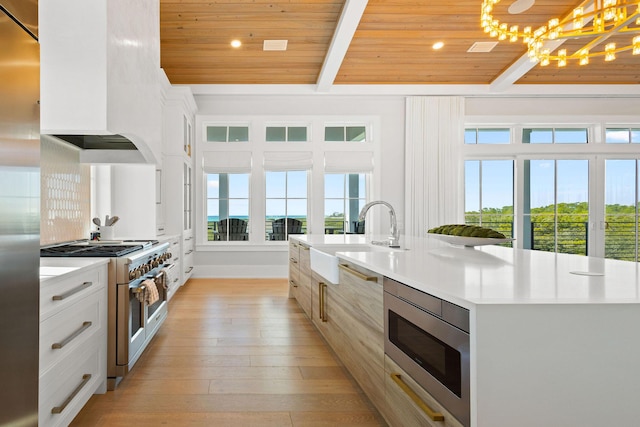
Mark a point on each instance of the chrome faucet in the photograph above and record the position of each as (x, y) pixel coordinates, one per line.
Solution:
(394, 239)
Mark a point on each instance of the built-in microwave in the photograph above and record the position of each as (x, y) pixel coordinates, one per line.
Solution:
(429, 339)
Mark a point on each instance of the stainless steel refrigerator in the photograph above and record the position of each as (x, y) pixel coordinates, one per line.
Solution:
(19, 212)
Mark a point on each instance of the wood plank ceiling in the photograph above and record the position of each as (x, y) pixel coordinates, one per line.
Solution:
(332, 42)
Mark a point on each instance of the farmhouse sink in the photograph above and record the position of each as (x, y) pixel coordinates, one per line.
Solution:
(325, 262)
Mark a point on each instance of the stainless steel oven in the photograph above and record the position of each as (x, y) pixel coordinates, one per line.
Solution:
(429, 339)
(136, 320)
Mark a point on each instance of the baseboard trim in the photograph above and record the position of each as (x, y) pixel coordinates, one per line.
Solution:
(240, 271)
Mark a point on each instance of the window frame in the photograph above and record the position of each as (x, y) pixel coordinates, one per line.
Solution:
(258, 147)
(595, 150)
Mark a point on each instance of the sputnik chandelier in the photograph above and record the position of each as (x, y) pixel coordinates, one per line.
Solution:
(594, 21)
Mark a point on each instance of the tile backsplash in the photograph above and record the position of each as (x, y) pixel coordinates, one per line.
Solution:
(65, 193)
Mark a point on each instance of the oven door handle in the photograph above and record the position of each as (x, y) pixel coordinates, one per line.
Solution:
(435, 416)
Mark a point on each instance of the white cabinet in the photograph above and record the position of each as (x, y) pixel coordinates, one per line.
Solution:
(73, 342)
(174, 274)
(177, 176)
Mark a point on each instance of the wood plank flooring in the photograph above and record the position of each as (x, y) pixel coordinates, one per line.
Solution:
(234, 352)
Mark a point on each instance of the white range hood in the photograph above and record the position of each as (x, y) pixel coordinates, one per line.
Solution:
(100, 77)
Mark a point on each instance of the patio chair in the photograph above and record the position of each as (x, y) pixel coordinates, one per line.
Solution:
(282, 227)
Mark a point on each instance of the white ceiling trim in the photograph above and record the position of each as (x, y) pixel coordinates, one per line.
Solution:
(346, 28)
(421, 90)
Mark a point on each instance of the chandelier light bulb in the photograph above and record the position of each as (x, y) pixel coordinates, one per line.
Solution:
(610, 52)
(599, 21)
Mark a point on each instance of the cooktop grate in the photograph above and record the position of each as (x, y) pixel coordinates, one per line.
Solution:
(89, 251)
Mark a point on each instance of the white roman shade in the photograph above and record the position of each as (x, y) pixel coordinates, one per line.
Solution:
(226, 161)
(348, 161)
(288, 160)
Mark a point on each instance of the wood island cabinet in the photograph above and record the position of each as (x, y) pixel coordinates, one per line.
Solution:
(350, 316)
(294, 270)
(408, 404)
(359, 320)
(304, 279)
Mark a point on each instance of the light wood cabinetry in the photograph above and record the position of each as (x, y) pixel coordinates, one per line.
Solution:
(408, 404)
(304, 279)
(73, 343)
(359, 320)
(350, 317)
(294, 269)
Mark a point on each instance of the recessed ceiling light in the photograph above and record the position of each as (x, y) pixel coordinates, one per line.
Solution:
(438, 45)
(520, 6)
(236, 43)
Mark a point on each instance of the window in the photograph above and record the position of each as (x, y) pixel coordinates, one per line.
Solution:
(555, 136)
(622, 135)
(621, 209)
(489, 194)
(487, 136)
(556, 207)
(286, 134)
(227, 206)
(286, 204)
(345, 133)
(345, 196)
(271, 185)
(227, 133)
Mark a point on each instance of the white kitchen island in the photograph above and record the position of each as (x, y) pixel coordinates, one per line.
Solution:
(554, 338)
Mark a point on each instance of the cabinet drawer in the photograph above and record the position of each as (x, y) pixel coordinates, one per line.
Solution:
(65, 389)
(406, 404)
(60, 293)
(68, 331)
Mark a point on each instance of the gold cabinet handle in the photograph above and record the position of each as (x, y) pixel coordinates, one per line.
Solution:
(306, 248)
(435, 416)
(356, 273)
(321, 301)
(293, 283)
(67, 340)
(70, 292)
(59, 409)
(293, 260)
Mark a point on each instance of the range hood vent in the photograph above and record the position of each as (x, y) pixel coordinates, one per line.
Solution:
(99, 142)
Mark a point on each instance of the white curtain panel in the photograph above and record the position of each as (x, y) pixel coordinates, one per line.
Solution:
(433, 167)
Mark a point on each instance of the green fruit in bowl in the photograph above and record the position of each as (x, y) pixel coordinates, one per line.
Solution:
(464, 230)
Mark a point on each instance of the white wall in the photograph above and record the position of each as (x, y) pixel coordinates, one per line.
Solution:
(272, 262)
(391, 109)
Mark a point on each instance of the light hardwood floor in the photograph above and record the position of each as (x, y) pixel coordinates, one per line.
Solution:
(234, 352)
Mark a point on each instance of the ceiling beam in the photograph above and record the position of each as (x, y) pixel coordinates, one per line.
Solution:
(346, 28)
(518, 69)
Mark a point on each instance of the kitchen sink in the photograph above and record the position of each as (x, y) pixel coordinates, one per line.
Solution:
(325, 262)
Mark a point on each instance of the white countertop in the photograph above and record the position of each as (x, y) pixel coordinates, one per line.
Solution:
(493, 274)
(52, 267)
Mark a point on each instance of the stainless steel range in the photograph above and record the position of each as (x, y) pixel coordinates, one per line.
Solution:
(136, 272)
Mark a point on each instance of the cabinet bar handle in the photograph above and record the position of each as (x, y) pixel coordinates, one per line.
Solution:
(293, 260)
(321, 292)
(358, 274)
(59, 409)
(189, 270)
(304, 248)
(189, 252)
(67, 340)
(70, 292)
(293, 283)
(435, 416)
